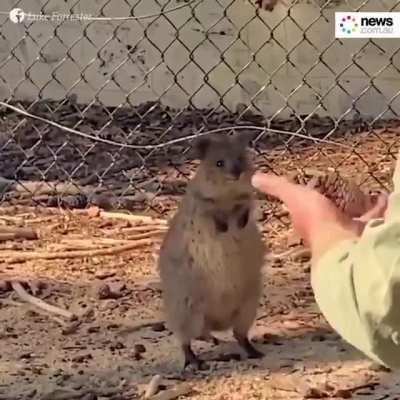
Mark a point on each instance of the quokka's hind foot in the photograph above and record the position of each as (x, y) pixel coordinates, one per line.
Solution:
(246, 345)
(192, 360)
(209, 338)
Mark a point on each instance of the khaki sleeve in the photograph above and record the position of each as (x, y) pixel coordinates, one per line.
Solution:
(357, 286)
(393, 210)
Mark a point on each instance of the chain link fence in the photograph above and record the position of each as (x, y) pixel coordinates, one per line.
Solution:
(100, 103)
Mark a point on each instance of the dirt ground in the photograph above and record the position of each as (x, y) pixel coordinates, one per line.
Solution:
(107, 354)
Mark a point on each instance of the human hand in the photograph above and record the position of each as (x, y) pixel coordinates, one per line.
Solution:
(269, 5)
(315, 218)
(378, 210)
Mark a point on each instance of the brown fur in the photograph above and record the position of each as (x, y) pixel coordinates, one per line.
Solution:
(211, 258)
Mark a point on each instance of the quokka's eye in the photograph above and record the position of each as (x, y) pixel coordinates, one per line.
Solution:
(220, 163)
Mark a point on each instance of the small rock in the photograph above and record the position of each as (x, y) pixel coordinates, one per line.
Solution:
(117, 346)
(104, 274)
(113, 326)
(96, 261)
(137, 356)
(104, 292)
(93, 329)
(158, 327)
(344, 393)
(32, 393)
(318, 338)
(71, 328)
(89, 396)
(155, 286)
(277, 263)
(139, 348)
(315, 393)
(5, 286)
(379, 368)
(82, 357)
(294, 240)
(58, 372)
(87, 315)
(37, 370)
(228, 357)
(307, 269)
(31, 314)
(77, 385)
(93, 212)
(112, 290)
(117, 286)
(269, 338)
(108, 305)
(60, 381)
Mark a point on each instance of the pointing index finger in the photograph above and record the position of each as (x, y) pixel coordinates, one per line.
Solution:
(269, 183)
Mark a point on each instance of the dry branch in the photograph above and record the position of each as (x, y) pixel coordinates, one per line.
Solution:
(147, 235)
(135, 328)
(110, 241)
(171, 394)
(80, 394)
(15, 220)
(138, 219)
(18, 256)
(295, 254)
(37, 311)
(93, 243)
(24, 295)
(11, 233)
(136, 229)
(65, 246)
(153, 386)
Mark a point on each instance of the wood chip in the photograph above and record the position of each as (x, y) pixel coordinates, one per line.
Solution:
(153, 387)
(171, 394)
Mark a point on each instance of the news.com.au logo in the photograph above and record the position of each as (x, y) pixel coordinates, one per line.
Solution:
(348, 24)
(367, 25)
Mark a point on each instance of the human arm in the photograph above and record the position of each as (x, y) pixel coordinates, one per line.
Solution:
(356, 266)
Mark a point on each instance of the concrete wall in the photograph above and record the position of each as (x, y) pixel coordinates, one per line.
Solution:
(178, 58)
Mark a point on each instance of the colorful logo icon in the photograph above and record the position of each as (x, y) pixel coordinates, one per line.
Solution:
(348, 24)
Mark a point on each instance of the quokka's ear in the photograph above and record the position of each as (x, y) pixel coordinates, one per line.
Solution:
(201, 146)
(243, 139)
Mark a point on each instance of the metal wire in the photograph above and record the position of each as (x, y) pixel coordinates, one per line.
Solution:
(174, 141)
(112, 106)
